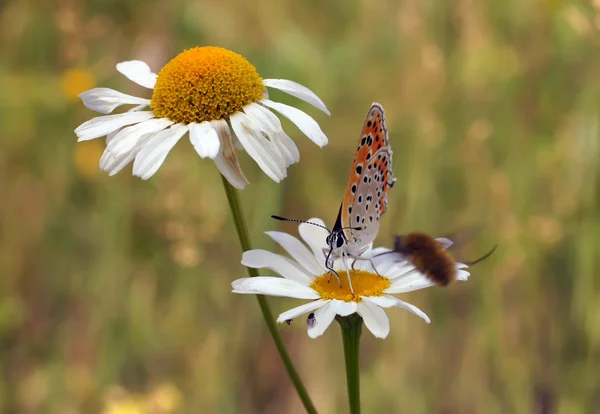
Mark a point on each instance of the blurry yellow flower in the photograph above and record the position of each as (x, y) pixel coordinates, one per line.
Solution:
(75, 81)
(128, 406)
(86, 157)
(165, 399)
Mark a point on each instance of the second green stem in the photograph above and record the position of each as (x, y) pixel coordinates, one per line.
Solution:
(351, 331)
(242, 231)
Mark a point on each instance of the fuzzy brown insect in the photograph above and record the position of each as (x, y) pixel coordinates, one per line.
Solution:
(430, 257)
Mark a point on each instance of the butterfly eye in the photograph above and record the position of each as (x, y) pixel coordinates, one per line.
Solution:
(339, 242)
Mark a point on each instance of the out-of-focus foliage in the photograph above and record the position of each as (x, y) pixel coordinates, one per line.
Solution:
(114, 292)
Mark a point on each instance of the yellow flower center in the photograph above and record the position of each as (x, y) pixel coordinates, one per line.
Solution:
(364, 284)
(205, 84)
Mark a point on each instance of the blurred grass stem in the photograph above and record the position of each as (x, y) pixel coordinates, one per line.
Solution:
(351, 331)
(242, 231)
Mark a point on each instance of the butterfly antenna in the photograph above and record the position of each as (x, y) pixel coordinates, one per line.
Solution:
(299, 221)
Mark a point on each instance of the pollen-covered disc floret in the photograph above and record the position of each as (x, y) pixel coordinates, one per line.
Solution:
(205, 84)
(214, 95)
(374, 280)
(364, 284)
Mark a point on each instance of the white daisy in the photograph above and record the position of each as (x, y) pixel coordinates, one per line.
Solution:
(214, 94)
(306, 277)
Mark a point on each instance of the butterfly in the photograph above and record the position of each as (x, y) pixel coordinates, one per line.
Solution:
(365, 196)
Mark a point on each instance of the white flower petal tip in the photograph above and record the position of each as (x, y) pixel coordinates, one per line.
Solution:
(138, 72)
(462, 275)
(297, 90)
(447, 243)
(104, 125)
(389, 301)
(205, 140)
(105, 100)
(303, 121)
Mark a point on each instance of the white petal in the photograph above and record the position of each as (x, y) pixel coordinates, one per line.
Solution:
(259, 259)
(298, 251)
(104, 125)
(413, 309)
(271, 126)
(273, 286)
(301, 310)
(139, 72)
(113, 164)
(445, 242)
(403, 286)
(139, 107)
(110, 136)
(323, 318)
(155, 151)
(128, 137)
(462, 275)
(361, 265)
(389, 301)
(105, 100)
(461, 265)
(342, 308)
(376, 252)
(226, 160)
(297, 90)
(205, 140)
(304, 122)
(260, 149)
(402, 269)
(382, 301)
(315, 237)
(375, 318)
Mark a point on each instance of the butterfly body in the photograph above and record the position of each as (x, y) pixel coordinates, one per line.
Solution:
(365, 196)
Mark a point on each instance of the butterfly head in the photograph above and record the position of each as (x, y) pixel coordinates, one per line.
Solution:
(336, 239)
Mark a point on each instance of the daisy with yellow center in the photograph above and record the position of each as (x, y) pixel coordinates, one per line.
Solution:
(211, 93)
(306, 277)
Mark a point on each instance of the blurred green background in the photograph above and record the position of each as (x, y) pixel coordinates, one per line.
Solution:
(115, 292)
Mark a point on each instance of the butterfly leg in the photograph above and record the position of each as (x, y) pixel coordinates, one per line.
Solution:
(327, 253)
(348, 273)
(366, 259)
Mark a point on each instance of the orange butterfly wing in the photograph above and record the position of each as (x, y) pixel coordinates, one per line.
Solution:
(370, 177)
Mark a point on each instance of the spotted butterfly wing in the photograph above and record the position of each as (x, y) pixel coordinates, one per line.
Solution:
(370, 178)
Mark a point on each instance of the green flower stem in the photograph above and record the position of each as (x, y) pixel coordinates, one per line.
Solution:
(351, 331)
(242, 232)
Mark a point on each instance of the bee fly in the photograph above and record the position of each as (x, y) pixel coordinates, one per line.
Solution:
(430, 257)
